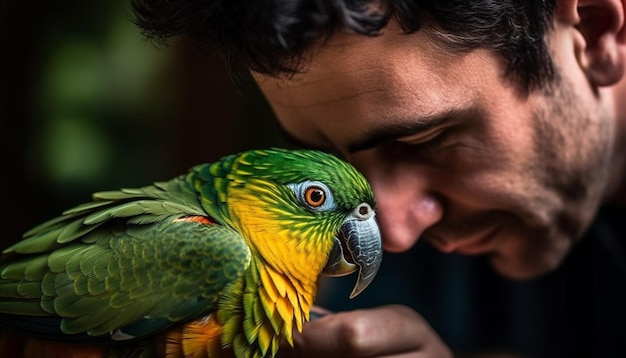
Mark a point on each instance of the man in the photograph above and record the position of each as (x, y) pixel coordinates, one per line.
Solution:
(490, 128)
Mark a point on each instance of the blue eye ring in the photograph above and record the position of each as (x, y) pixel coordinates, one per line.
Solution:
(314, 195)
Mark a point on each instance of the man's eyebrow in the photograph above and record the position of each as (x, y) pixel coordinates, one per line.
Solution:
(392, 131)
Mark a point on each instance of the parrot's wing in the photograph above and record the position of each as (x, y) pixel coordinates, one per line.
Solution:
(122, 276)
(130, 282)
(145, 205)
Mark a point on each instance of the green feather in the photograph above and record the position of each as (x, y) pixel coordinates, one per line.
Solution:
(10, 289)
(21, 307)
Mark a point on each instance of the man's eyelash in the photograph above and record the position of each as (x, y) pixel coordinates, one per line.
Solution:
(434, 142)
(427, 147)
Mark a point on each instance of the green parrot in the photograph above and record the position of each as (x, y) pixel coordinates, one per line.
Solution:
(226, 256)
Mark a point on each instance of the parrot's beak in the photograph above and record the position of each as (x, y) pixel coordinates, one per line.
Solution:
(358, 245)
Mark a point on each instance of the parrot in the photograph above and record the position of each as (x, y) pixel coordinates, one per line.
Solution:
(226, 257)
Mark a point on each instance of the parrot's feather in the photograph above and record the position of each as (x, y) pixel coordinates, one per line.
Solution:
(29, 290)
(28, 269)
(60, 259)
(78, 210)
(72, 231)
(11, 290)
(20, 307)
(144, 325)
(269, 306)
(270, 288)
(265, 336)
(285, 310)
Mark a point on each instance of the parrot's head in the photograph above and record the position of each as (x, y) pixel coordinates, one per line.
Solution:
(305, 213)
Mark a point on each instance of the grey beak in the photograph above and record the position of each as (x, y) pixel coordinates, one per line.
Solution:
(358, 245)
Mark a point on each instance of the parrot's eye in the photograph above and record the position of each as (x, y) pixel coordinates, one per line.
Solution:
(314, 195)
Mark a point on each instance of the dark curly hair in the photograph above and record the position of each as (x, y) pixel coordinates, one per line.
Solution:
(273, 36)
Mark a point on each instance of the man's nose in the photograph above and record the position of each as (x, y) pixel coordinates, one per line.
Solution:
(405, 209)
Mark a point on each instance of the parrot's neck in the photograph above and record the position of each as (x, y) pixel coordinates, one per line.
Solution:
(292, 298)
(263, 307)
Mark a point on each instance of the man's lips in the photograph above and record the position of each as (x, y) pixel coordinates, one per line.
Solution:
(473, 246)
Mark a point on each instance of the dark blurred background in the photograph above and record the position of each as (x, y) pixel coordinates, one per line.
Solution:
(89, 105)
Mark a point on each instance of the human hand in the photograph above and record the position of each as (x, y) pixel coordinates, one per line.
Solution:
(388, 331)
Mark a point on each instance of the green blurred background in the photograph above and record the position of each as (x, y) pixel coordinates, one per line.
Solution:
(88, 104)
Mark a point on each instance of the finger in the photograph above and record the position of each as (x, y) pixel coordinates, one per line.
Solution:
(384, 331)
(318, 312)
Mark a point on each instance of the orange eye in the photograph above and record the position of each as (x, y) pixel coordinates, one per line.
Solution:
(314, 196)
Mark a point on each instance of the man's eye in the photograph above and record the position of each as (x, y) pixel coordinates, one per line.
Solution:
(416, 149)
(432, 142)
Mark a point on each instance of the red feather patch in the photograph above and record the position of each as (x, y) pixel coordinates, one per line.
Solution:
(197, 219)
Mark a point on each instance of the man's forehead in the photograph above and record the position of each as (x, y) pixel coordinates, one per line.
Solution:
(392, 64)
(360, 88)
(355, 83)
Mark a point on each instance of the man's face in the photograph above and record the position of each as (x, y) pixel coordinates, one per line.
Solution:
(454, 153)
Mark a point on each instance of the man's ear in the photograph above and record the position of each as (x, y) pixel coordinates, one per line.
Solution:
(602, 48)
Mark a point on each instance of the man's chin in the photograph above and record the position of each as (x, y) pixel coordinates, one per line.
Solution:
(525, 269)
(530, 256)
